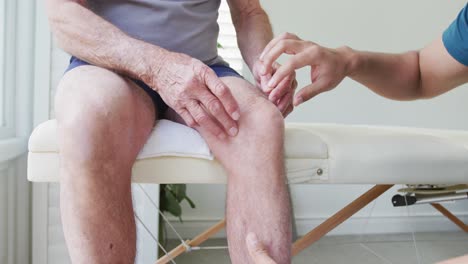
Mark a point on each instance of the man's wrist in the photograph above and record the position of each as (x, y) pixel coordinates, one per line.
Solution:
(254, 65)
(146, 61)
(251, 61)
(253, 32)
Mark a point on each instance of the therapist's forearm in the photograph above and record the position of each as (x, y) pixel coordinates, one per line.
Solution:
(395, 76)
(253, 34)
(84, 34)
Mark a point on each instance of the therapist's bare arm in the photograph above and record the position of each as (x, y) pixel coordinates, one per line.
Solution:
(412, 75)
(254, 32)
(187, 85)
(426, 73)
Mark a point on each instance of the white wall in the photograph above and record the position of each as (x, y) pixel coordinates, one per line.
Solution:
(15, 126)
(391, 26)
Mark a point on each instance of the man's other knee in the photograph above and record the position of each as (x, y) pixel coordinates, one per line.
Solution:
(94, 115)
(90, 96)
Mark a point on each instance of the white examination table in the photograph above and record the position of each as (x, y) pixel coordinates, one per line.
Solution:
(315, 153)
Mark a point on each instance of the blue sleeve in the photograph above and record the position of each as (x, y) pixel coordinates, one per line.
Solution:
(455, 37)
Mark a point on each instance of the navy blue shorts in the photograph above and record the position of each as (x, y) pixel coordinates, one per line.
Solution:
(159, 104)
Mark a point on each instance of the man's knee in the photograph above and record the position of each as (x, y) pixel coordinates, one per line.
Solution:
(92, 114)
(262, 122)
(87, 95)
(266, 120)
(257, 113)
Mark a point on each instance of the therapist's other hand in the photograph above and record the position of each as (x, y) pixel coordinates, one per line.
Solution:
(257, 251)
(328, 66)
(282, 96)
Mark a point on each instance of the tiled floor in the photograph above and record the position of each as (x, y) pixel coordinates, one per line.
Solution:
(369, 249)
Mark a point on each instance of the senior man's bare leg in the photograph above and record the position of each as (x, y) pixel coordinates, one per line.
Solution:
(103, 122)
(257, 197)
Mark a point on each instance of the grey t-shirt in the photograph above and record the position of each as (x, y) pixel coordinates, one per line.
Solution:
(185, 26)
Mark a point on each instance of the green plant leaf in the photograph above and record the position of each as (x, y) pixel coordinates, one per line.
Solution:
(179, 191)
(219, 46)
(162, 198)
(192, 205)
(170, 197)
(172, 205)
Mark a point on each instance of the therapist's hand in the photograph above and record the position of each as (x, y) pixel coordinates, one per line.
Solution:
(282, 96)
(328, 66)
(459, 260)
(257, 251)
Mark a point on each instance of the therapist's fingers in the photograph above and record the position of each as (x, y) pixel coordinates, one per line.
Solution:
(297, 61)
(286, 100)
(284, 103)
(273, 43)
(459, 260)
(286, 85)
(288, 110)
(265, 78)
(286, 46)
(257, 251)
(311, 90)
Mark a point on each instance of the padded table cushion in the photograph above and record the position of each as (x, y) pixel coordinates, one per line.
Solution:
(315, 153)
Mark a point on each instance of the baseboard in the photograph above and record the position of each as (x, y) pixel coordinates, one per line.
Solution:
(354, 226)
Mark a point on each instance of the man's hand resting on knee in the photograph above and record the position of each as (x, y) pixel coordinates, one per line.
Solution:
(257, 251)
(194, 91)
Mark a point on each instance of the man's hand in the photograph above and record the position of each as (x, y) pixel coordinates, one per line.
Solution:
(257, 251)
(328, 66)
(194, 91)
(282, 95)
